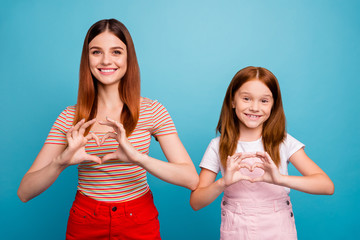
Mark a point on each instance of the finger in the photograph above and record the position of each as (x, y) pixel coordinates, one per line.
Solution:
(77, 126)
(108, 135)
(237, 155)
(247, 178)
(86, 125)
(75, 131)
(258, 179)
(267, 156)
(109, 156)
(245, 165)
(111, 123)
(262, 157)
(69, 133)
(257, 165)
(94, 158)
(122, 130)
(92, 135)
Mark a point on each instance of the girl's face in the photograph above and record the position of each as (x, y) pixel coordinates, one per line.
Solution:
(252, 103)
(107, 58)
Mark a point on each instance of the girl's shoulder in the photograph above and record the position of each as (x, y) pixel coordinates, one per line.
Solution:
(291, 144)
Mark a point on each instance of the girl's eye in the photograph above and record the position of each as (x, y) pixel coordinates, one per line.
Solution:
(264, 101)
(96, 52)
(116, 52)
(246, 99)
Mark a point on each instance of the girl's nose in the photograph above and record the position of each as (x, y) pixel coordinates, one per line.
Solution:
(254, 106)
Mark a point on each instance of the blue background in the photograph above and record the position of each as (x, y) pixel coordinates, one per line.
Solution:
(188, 52)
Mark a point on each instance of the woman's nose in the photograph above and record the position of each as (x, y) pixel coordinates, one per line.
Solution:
(105, 59)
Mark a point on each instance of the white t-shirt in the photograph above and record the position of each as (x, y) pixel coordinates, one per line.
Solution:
(211, 158)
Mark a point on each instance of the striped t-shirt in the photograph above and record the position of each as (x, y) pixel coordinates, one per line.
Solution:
(116, 181)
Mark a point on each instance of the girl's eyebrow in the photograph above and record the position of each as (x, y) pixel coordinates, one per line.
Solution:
(116, 47)
(265, 95)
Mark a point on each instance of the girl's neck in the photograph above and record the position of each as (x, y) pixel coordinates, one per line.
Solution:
(250, 134)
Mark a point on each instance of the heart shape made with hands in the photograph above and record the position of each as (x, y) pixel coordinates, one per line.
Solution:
(250, 161)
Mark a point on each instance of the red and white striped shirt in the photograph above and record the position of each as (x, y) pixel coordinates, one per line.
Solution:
(116, 181)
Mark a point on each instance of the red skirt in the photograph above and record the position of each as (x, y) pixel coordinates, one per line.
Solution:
(135, 219)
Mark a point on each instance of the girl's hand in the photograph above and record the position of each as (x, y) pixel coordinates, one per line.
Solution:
(125, 152)
(271, 171)
(75, 152)
(233, 166)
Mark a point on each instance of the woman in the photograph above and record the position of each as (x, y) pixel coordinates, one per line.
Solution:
(108, 134)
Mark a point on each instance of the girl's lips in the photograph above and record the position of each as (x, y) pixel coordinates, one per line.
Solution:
(252, 116)
(107, 71)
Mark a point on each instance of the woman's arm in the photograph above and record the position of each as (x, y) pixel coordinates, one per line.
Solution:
(314, 179)
(42, 174)
(54, 158)
(179, 169)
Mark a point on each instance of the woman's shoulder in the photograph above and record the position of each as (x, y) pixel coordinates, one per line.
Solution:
(147, 104)
(67, 115)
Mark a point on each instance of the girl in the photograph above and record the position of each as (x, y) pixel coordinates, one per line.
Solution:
(252, 154)
(108, 134)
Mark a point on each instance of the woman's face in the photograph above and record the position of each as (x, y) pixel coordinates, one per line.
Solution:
(107, 58)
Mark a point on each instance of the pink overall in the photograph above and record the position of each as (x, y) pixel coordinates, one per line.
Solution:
(256, 211)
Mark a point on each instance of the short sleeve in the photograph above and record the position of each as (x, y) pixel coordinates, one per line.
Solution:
(63, 123)
(292, 145)
(162, 122)
(211, 159)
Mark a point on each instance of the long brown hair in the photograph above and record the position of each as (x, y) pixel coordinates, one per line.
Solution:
(129, 87)
(273, 132)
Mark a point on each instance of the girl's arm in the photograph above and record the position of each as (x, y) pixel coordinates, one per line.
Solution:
(53, 159)
(179, 169)
(314, 180)
(207, 191)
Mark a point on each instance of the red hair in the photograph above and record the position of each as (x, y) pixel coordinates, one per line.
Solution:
(273, 132)
(129, 87)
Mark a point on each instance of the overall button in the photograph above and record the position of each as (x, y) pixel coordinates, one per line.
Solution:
(291, 214)
(114, 209)
(224, 203)
(288, 202)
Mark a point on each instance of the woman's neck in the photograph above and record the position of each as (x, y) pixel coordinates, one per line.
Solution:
(109, 97)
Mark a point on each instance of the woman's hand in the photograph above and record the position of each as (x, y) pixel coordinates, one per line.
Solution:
(271, 171)
(75, 152)
(125, 152)
(233, 165)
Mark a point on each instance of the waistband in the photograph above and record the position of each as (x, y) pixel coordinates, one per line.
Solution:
(254, 207)
(94, 206)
